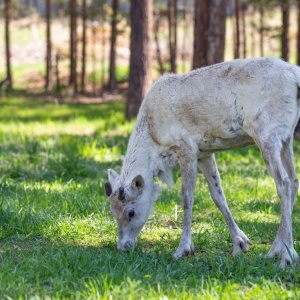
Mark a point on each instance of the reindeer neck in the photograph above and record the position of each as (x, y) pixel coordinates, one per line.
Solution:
(140, 155)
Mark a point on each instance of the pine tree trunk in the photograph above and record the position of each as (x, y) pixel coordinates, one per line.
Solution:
(217, 28)
(83, 56)
(48, 46)
(8, 80)
(237, 29)
(186, 26)
(285, 31)
(201, 29)
(112, 84)
(261, 29)
(73, 45)
(244, 9)
(253, 31)
(156, 39)
(140, 54)
(172, 18)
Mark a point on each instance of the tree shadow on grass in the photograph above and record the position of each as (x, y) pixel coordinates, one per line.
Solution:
(69, 157)
(17, 110)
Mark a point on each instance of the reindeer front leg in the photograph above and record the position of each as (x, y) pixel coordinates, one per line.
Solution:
(188, 166)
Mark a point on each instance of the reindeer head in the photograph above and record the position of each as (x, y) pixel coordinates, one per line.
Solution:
(131, 203)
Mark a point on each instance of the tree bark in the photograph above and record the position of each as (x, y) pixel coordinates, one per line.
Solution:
(201, 29)
(261, 29)
(8, 80)
(83, 55)
(285, 31)
(172, 20)
(73, 45)
(158, 50)
(217, 28)
(48, 46)
(253, 31)
(140, 54)
(185, 43)
(112, 83)
(237, 29)
(244, 10)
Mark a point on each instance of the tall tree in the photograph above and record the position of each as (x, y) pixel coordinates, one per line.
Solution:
(285, 30)
(73, 45)
(237, 29)
(48, 46)
(112, 83)
(201, 28)
(244, 11)
(172, 20)
(8, 79)
(187, 16)
(83, 55)
(140, 54)
(156, 30)
(261, 28)
(216, 37)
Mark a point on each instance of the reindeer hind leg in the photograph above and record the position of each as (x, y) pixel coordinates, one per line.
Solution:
(277, 156)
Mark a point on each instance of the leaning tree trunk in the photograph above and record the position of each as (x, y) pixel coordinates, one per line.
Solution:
(201, 28)
(217, 28)
(140, 54)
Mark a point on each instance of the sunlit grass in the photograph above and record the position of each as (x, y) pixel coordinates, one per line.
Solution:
(58, 237)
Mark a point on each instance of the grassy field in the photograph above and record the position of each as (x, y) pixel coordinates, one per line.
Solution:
(58, 237)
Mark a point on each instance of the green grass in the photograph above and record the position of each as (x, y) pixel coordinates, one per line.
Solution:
(58, 237)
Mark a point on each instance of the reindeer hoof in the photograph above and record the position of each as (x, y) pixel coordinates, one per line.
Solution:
(184, 250)
(240, 243)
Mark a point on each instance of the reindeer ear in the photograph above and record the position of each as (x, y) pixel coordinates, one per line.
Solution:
(138, 183)
(112, 175)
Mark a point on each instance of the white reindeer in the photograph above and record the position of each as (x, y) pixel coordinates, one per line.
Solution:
(185, 119)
